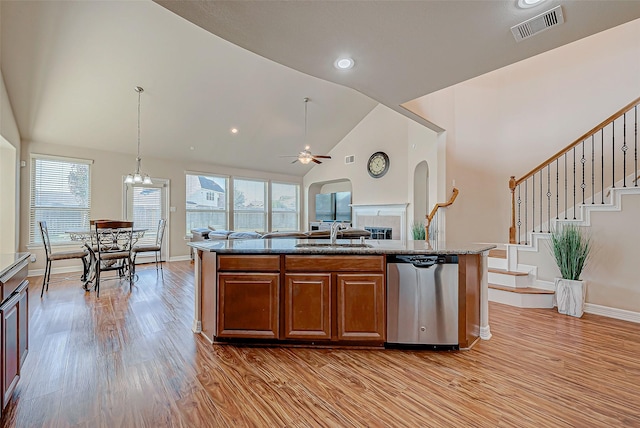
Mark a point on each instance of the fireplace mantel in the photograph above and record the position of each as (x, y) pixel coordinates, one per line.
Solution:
(360, 211)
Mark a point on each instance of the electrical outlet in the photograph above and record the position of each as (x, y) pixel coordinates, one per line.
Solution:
(33, 258)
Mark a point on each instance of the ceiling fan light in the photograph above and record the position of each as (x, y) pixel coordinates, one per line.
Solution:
(304, 159)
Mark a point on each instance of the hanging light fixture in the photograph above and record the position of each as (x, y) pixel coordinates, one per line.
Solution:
(138, 178)
(305, 156)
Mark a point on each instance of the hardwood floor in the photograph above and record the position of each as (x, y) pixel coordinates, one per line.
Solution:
(131, 360)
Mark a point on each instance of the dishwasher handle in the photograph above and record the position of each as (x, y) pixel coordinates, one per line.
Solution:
(422, 261)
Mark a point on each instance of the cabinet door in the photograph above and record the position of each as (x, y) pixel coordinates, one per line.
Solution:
(361, 310)
(307, 306)
(23, 319)
(10, 351)
(248, 305)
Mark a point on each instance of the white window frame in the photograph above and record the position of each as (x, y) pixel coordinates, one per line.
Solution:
(266, 206)
(35, 239)
(272, 211)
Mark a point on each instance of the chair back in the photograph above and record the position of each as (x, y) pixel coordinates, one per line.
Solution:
(161, 225)
(44, 231)
(113, 235)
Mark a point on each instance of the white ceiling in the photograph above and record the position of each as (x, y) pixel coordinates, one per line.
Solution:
(70, 68)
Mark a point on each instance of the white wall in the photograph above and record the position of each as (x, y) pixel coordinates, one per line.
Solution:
(405, 142)
(506, 122)
(9, 167)
(509, 121)
(107, 173)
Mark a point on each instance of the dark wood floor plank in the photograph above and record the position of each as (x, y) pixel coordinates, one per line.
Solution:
(130, 359)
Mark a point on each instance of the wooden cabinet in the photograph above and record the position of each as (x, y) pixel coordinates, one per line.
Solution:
(248, 305)
(361, 307)
(307, 306)
(14, 324)
(340, 298)
(296, 298)
(248, 296)
(10, 346)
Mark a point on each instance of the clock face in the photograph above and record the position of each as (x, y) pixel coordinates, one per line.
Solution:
(378, 164)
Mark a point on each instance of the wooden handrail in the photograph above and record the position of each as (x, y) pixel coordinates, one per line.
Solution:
(578, 141)
(435, 209)
(515, 183)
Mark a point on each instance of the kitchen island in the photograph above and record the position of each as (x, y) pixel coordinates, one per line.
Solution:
(310, 292)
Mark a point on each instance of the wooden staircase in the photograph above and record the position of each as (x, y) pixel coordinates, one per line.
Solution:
(514, 286)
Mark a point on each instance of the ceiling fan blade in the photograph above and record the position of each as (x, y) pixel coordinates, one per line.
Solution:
(315, 160)
(322, 157)
(287, 156)
(295, 161)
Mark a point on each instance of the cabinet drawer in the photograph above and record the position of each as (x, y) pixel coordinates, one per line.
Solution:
(337, 263)
(249, 263)
(12, 279)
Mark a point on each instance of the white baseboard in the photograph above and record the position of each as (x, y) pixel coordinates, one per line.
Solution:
(620, 314)
(485, 333)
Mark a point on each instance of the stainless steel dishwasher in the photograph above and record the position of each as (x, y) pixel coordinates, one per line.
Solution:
(422, 300)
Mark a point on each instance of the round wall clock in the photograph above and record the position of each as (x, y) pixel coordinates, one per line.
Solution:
(378, 164)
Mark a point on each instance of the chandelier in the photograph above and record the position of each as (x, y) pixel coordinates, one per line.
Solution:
(138, 178)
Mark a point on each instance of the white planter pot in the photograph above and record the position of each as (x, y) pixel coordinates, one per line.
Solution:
(570, 296)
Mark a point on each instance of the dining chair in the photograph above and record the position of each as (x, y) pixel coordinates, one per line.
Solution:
(81, 253)
(113, 242)
(152, 248)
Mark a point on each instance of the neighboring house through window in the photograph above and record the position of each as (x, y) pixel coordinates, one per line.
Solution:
(60, 195)
(206, 202)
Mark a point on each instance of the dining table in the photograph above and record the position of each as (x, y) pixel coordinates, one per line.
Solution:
(88, 238)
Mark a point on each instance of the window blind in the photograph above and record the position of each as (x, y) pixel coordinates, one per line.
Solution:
(60, 195)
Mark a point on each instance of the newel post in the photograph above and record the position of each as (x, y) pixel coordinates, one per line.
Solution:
(512, 227)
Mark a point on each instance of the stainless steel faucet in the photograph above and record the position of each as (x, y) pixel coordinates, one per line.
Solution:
(335, 227)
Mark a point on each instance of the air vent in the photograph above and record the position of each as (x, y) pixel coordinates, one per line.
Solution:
(538, 24)
(349, 159)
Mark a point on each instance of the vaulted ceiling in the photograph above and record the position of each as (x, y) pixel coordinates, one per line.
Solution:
(70, 68)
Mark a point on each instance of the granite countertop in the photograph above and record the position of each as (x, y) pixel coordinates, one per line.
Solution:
(7, 261)
(345, 246)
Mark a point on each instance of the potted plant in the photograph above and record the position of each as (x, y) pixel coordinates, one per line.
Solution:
(570, 246)
(418, 231)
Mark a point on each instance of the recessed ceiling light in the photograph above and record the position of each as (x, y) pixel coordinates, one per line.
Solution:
(344, 63)
(234, 130)
(192, 148)
(528, 3)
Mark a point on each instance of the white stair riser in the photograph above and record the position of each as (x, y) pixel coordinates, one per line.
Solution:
(496, 263)
(521, 300)
(509, 280)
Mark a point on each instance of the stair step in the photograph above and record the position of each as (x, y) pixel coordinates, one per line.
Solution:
(498, 254)
(507, 272)
(521, 290)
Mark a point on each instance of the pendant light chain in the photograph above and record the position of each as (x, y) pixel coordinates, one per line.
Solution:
(137, 177)
(139, 90)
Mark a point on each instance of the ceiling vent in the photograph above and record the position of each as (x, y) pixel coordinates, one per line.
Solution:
(349, 159)
(538, 24)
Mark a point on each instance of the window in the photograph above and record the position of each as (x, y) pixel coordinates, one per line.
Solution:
(249, 207)
(60, 195)
(285, 209)
(206, 202)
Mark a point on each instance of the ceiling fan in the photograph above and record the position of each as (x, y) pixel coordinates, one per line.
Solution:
(306, 156)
